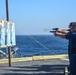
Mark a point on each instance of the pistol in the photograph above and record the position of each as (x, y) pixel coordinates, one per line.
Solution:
(54, 30)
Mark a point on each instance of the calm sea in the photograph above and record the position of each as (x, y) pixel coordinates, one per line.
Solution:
(30, 45)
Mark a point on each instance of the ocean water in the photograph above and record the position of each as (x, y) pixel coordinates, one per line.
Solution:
(31, 45)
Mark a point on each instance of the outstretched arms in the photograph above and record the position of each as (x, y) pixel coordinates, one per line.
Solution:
(61, 33)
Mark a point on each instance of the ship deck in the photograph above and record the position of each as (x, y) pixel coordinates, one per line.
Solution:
(36, 67)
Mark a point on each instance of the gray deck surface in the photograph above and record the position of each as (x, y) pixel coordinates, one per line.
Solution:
(43, 67)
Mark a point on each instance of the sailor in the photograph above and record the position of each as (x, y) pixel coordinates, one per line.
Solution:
(71, 36)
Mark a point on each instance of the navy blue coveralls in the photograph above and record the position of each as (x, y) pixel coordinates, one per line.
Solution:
(71, 36)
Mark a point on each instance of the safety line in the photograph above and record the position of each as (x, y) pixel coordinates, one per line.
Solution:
(20, 28)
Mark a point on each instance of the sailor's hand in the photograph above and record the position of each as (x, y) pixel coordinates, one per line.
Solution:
(59, 30)
(56, 33)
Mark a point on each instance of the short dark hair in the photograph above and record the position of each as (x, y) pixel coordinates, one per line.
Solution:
(72, 24)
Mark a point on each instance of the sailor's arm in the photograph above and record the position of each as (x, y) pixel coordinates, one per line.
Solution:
(59, 34)
(64, 31)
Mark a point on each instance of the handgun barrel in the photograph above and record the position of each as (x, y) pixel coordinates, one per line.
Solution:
(52, 31)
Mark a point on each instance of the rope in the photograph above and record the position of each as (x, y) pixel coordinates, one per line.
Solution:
(20, 28)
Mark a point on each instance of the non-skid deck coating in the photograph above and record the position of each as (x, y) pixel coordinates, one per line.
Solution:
(41, 67)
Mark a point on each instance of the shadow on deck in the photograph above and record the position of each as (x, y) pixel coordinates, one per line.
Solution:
(35, 68)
